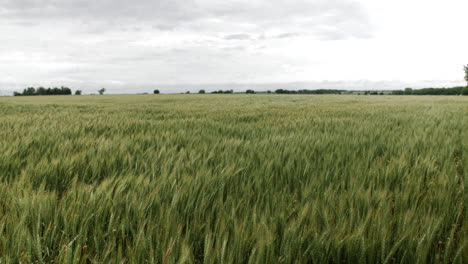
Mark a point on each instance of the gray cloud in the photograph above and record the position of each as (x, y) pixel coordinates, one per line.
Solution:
(260, 15)
(118, 42)
(286, 35)
(237, 37)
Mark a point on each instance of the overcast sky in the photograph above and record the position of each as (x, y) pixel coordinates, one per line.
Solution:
(132, 46)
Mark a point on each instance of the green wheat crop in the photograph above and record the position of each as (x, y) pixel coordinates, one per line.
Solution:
(233, 179)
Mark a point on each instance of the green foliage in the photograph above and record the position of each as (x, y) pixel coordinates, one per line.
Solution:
(233, 179)
(320, 91)
(398, 92)
(102, 91)
(30, 91)
(78, 92)
(201, 92)
(250, 92)
(466, 73)
(430, 91)
(465, 91)
(223, 92)
(156, 92)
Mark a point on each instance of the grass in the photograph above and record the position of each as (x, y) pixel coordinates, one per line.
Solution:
(233, 179)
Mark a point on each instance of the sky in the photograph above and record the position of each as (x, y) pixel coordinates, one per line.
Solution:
(178, 45)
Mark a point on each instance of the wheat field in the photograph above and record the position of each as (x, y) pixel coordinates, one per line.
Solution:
(233, 179)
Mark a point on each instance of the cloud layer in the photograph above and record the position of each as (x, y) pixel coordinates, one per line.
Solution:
(326, 18)
(117, 43)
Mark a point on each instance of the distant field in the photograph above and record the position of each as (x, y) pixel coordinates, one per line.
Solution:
(233, 179)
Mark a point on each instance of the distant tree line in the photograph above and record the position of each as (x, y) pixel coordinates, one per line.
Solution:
(460, 90)
(373, 93)
(223, 92)
(30, 91)
(320, 91)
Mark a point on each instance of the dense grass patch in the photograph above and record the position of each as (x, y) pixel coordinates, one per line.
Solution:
(233, 179)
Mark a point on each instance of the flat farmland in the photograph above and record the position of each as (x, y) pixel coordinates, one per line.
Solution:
(233, 179)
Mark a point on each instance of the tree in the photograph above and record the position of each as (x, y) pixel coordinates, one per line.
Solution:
(65, 90)
(408, 91)
(201, 92)
(465, 91)
(55, 90)
(156, 91)
(78, 92)
(41, 91)
(102, 91)
(466, 74)
(29, 91)
(250, 92)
